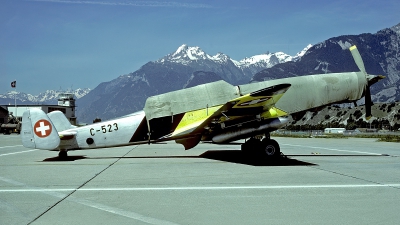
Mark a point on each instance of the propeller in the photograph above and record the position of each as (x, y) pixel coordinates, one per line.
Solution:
(367, 93)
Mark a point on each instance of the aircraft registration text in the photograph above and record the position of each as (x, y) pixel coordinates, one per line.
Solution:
(105, 129)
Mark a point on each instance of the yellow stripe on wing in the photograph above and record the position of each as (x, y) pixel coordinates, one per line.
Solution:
(191, 120)
(273, 113)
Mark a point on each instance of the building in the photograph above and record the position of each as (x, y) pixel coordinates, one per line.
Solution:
(66, 104)
(3, 115)
(334, 130)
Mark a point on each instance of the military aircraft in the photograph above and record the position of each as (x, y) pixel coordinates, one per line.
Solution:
(214, 112)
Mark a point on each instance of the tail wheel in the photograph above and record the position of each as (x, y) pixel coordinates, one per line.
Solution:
(62, 154)
(270, 147)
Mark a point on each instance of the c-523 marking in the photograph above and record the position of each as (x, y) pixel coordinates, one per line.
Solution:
(105, 129)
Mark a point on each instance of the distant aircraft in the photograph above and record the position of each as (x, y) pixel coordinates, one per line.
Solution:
(216, 112)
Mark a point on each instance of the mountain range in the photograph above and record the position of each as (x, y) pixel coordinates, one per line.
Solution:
(190, 66)
(186, 67)
(48, 97)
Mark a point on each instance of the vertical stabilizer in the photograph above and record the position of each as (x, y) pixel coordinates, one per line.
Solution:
(38, 131)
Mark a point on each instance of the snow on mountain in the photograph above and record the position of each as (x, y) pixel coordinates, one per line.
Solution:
(271, 59)
(221, 57)
(245, 68)
(45, 97)
(302, 52)
(23, 97)
(188, 66)
(185, 67)
(186, 54)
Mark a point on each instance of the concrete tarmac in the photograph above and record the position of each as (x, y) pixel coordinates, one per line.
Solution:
(322, 181)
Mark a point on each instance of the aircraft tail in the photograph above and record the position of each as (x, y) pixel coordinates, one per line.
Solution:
(60, 121)
(38, 131)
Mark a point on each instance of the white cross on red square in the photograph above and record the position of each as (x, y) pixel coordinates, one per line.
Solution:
(42, 128)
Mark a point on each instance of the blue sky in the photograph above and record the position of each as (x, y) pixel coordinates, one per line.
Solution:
(53, 44)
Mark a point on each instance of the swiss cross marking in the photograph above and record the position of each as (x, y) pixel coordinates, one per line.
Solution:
(42, 128)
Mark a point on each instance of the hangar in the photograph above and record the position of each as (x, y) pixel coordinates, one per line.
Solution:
(66, 104)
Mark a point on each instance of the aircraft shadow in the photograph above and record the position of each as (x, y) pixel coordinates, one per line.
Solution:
(322, 155)
(235, 156)
(66, 159)
(231, 156)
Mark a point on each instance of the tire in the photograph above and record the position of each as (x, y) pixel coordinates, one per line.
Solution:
(250, 146)
(271, 148)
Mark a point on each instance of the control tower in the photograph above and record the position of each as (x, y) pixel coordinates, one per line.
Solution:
(68, 100)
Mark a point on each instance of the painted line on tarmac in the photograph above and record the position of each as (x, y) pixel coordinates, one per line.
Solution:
(13, 146)
(13, 153)
(121, 212)
(334, 149)
(117, 211)
(205, 188)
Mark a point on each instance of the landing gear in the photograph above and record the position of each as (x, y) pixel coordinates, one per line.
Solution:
(266, 148)
(270, 147)
(62, 154)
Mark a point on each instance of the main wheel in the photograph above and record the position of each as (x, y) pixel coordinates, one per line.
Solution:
(250, 146)
(270, 148)
(62, 154)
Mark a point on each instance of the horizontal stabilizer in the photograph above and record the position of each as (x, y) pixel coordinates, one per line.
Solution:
(60, 121)
(67, 135)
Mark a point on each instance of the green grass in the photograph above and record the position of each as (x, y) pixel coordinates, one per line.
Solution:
(292, 135)
(307, 135)
(389, 138)
(380, 137)
(337, 136)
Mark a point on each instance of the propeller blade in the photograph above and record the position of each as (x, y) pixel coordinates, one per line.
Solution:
(368, 103)
(367, 93)
(357, 59)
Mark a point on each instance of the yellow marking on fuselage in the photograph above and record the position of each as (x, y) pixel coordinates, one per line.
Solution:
(186, 129)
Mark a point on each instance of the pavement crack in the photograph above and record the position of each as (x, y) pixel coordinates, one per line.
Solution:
(357, 178)
(82, 185)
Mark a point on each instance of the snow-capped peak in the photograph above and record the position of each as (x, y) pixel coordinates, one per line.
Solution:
(302, 52)
(220, 57)
(182, 48)
(268, 59)
(46, 96)
(185, 53)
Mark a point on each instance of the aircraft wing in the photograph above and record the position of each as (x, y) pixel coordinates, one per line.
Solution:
(258, 101)
(256, 105)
